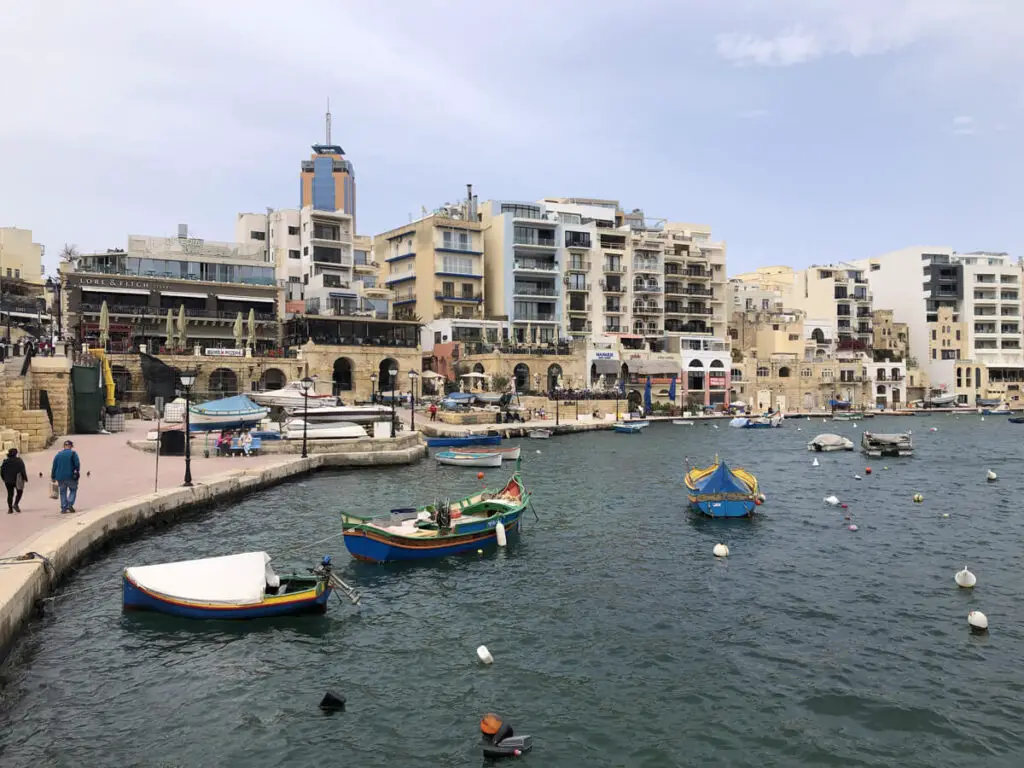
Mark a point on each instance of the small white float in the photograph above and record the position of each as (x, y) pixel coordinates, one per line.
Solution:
(720, 550)
(965, 578)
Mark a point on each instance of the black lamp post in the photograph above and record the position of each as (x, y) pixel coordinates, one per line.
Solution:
(413, 375)
(373, 387)
(556, 406)
(188, 380)
(307, 384)
(393, 374)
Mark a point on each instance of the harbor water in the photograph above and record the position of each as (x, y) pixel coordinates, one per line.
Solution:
(618, 639)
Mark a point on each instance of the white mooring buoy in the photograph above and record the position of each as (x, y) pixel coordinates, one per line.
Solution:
(720, 550)
(832, 501)
(815, 463)
(857, 477)
(991, 476)
(484, 655)
(853, 527)
(982, 418)
(965, 578)
(499, 530)
(978, 621)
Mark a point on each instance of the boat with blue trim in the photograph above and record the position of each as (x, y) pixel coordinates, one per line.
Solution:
(768, 421)
(630, 427)
(721, 491)
(242, 586)
(236, 412)
(439, 529)
(453, 442)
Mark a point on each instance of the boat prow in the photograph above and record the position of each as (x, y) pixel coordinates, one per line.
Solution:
(721, 491)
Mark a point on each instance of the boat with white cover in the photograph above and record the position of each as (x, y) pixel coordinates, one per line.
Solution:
(540, 434)
(238, 412)
(291, 395)
(329, 430)
(827, 442)
(357, 414)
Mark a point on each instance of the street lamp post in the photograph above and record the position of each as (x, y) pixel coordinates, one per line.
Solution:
(393, 374)
(188, 380)
(373, 387)
(307, 384)
(556, 406)
(413, 375)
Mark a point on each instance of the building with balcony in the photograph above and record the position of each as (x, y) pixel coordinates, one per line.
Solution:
(22, 303)
(212, 282)
(435, 265)
(696, 285)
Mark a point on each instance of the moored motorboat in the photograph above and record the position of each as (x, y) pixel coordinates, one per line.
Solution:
(768, 421)
(451, 442)
(828, 442)
(682, 423)
(236, 412)
(292, 395)
(540, 434)
(242, 586)
(719, 491)
(1000, 410)
(439, 529)
(876, 444)
(1016, 419)
(629, 427)
(354, 414)
(453, 459)
(507, 454)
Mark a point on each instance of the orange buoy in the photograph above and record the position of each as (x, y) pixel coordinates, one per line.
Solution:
(489, 724)
(479, 475)
(757, 502)
(867, 470)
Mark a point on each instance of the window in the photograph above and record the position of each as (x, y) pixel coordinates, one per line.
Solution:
(457, 265)
(294, 254)
(17, 273)
(305, 250)
(255, 234)
(521, 211)
(806, 373)
(736, 374)
(794, 337)
(934, 354)
(467, 290)
(8, 271)
(437, 337)
(448, 289)
(949, 354)
(934, 335)
(763, 372)
(293, 230)
(294, 279)
(457, 240)
(783, 372)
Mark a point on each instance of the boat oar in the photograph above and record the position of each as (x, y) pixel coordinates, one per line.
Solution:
(534, 511)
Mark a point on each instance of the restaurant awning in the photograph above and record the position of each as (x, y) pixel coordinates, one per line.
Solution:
(223, 297)
(183, 294)
(107, 289)
(654, 368)
(606, 367)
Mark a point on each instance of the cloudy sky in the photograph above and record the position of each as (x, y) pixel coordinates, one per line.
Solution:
(802, 131)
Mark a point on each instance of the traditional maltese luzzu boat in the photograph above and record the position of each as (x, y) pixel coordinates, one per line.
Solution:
(439, 529)
(721, 491)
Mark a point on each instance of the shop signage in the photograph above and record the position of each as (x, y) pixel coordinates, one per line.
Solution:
(604, 356)
(717, 382)
(223, 352)
(115, 282)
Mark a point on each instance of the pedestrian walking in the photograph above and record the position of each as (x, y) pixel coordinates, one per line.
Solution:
(433, 411)
(65, 472)
(14, 475)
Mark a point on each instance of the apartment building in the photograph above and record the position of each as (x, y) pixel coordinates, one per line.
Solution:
(435, 265)
(891, 339)
(21, 280)
(696, 287)
(839, 294)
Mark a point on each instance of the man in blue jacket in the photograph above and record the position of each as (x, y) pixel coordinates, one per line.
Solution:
(65, 472)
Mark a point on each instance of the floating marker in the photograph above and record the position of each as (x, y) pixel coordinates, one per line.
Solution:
(965, 579)
(815, 463)
(982, 418)
(853, 527)
(854, 426)
(484, 655)
(332, 702)
(934, 429)
(945, 514)
(479, 551)
(978, 621)
(720, 550)
(885, 468)
(499, 529)
(867, 470)
(857, 477)
(832, 501)
(991, 476)
(918, 498)
(538, 450)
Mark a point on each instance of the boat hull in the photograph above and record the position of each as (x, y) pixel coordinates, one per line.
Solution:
(451, 459)
(628, 429)
(208, 423)
(137, 598)
(723, 508)
(377, 547)
(507, 454)
(1016, 420)
(739, 500)
(451, 442)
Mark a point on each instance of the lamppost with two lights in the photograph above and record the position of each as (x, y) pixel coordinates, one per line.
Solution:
(393, 374)
(188, 380)
(307, 385)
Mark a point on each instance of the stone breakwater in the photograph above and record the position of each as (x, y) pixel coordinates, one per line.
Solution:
(24, 584)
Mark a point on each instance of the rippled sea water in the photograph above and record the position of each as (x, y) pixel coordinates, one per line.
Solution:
(618, 639)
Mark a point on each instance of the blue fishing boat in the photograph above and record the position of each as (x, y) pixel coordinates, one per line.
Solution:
(236, 412)
(240, 586)
(452, 442)
(440, 529)
(1000, 410)
(718, 491)
(629, 427)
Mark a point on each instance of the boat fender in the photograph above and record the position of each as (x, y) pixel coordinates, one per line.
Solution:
(978, 621)
(499, 529)
(484, 655)
(332, 702)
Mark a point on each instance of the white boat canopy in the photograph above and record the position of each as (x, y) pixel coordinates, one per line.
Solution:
(229, 580)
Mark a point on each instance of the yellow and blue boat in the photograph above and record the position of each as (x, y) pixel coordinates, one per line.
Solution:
(721, 491)
(439, 529)
(240, 586)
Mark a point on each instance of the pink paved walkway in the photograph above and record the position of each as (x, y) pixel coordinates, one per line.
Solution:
(111, 471)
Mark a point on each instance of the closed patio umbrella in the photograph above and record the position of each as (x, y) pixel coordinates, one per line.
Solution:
(252, 330)
(170, 331)
(238, 331)
(104, 325)
(182, 332)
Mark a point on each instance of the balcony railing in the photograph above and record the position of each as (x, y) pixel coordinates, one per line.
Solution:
(697, 311)
(442, 296)
(534, 317)
(583, 309)
(613, 288)
(543, 242)
(578, 265)
(576, 242)
(614, 269)
(160, 313)
(613, 245)
(698, 274)
(534, 265)
(613, 309)
(613, 329)
(646, 288)
(531, 290)
(578, 287)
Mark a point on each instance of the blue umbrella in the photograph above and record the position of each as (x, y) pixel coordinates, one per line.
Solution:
(647, 397)
(672, 391)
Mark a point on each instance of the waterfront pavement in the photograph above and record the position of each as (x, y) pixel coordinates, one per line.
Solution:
(111, 471)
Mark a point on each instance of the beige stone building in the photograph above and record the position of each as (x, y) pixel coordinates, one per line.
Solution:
(20, 258)
(890, 336)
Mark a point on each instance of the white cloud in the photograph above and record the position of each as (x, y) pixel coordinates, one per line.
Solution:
(964, 125)
(793, 47)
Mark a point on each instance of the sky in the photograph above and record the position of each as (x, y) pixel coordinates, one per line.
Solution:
(802, 131)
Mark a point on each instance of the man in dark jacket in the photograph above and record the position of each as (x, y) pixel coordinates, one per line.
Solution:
(13, 473)
(65, 472)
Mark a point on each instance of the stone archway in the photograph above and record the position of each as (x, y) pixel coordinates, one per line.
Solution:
(223, 382)
(384, 380)
(478, 368)
(635, 400)
(273, 378)
(342, 376)
(554, 373)
(521, 374)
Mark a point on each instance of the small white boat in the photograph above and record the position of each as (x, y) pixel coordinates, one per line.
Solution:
(507, 454)
(238, 412)
(291, 395)
(453, 459)
(682, 423)
(338, 430)
(356, 414)
(540, 434)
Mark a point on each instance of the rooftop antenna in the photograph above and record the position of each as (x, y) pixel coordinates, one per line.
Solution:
(328, 116)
